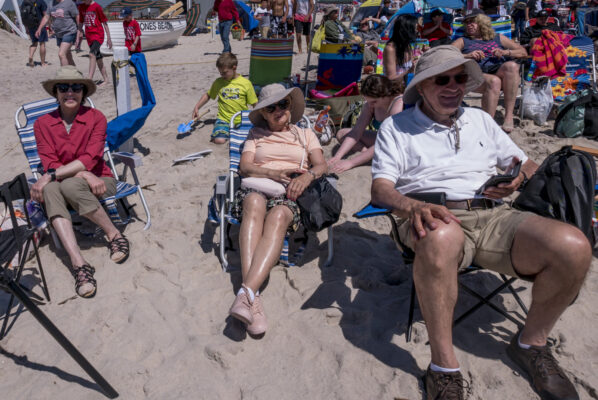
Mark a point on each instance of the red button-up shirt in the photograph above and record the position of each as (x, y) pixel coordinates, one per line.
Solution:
(85, 142)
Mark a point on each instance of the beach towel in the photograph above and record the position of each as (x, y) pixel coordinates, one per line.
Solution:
(123, 127)
(548, 52)
(579, 67)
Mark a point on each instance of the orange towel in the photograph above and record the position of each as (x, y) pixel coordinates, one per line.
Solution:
(548, 52)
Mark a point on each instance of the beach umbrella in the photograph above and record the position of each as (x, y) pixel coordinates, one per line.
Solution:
(368, 8)
(140, 4)
(246, 16)
(418, 7)
(192, 19)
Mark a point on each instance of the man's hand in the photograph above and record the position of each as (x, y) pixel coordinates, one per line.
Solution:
(37, 190)
(424, 215)
(505, 189)
(298, 185)
(133, 47)
(109, 42)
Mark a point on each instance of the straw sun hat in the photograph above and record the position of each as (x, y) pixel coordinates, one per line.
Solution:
(272, 94)
(438, 60)
(68, 74)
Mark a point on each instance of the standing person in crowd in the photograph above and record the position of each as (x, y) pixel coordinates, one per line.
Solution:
(437, 31)
(334, 30)
(70, 143)
(132, 31)
(399, 56)
(518, 16)
(495, 54)
(302, 11)
(262, 14)
(533, 7)
(383, 98)
(290, 20)
(227, 15)
(64, 15)
(94, 21)
(438, 146)
(288, 157)
(234, 93)
(280, 10)
(32, 13)
(384, 11)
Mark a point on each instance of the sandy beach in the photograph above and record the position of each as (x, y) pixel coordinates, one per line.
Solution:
(159, 328)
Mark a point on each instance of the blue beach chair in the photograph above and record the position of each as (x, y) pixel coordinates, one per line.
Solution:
(34, 110)
(219, 207)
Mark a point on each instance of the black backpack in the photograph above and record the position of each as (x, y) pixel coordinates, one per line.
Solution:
(563, 188)
(30, 14)
(578, 115)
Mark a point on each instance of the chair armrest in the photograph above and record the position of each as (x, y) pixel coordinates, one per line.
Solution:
(222, 184)
(129, 159)
(371, 211)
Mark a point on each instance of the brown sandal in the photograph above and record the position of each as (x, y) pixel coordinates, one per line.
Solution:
(119, 249)
(84, 275)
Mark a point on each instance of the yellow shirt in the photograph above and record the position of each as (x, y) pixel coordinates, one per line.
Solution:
(233, 96)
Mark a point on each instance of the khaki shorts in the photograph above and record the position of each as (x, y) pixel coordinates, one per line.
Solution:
(488, 236)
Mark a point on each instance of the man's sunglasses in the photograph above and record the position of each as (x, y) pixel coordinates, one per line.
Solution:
(443, 80)
(281, 105)
(74, 87)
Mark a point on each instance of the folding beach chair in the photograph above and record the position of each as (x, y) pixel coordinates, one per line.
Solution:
(339, 65)
(14, 242)
(34, 110)
(271, 60)
(500, 24)
(550, 20)
(219, 207)
(408, 257)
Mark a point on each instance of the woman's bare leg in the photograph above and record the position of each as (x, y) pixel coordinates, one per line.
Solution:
(64, 229)
(252, 225)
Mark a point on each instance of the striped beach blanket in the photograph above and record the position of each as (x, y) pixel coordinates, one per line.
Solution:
(271, 60)
(548, 52)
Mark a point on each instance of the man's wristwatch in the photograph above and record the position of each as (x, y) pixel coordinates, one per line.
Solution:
(52, 173)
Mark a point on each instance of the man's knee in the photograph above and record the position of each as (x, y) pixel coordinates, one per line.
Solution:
(71, 187)
(442, 247)
(572, 253)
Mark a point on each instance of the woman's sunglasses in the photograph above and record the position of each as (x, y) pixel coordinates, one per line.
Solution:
(74, 87)
(281, 105)
(443, 80)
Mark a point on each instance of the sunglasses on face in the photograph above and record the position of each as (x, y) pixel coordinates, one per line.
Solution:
(281, 105)
(74, 87)
(443, 80)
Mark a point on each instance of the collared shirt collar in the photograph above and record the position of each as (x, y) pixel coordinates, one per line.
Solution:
(429, 123)
(80, 117)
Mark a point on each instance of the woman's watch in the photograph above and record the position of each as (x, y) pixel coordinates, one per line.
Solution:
(52, 173)
(312, 173)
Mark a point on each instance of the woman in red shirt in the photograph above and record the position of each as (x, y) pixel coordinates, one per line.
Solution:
(70, 143)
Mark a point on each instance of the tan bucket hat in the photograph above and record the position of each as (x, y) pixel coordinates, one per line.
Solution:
(272, 94)
(328, 10)
(69, 74)
(438, 60)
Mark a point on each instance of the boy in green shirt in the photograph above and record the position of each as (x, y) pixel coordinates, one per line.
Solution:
(234, 94)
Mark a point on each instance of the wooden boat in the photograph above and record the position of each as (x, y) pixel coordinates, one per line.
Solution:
(160, 22)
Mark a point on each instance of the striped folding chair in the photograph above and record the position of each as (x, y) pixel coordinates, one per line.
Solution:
(500, 24)
(34, 110)
(271, 60)
(220, 205)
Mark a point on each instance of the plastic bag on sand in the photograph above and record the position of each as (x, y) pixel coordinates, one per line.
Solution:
(538, 101)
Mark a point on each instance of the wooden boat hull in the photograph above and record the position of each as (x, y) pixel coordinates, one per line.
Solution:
(155, 33)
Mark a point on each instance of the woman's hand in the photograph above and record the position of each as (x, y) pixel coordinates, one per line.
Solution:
(501, 53)
(97, 186)
(282, 176)
(476, 55)
(340, 166)
(37, 190)
(298, 185)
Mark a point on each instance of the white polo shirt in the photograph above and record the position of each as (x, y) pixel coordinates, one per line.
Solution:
(419, 154)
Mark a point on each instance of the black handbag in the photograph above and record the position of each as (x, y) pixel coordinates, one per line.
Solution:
(320, 204)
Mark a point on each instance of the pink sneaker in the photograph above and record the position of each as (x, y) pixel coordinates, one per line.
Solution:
(259, 324)
(241, 308)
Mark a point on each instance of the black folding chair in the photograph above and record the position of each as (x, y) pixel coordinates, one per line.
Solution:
(12, 242)
(408, 257)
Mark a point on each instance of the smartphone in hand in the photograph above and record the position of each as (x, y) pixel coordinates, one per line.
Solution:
(503, 178)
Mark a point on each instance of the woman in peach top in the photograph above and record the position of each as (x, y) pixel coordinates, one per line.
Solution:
(289, 157)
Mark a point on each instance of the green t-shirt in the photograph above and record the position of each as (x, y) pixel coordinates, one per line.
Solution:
(233, 96)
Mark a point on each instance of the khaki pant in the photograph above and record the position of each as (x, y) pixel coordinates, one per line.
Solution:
(488, 236)
(76, 193)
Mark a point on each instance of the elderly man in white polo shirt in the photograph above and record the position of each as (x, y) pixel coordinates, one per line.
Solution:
(439, 146)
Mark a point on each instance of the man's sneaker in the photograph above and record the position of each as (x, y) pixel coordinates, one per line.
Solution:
(259, 324)
(241, 308)
(547, 377)
(444, 385)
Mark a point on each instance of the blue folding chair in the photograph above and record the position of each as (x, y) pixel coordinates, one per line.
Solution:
(219, 207)
(408, 257)
(34, 110)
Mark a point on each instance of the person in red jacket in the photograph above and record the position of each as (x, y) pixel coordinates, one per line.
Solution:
(93, 19)
(132, 31)
(227, 14)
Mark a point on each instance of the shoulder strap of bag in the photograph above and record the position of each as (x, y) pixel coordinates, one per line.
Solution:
(582, 100)
(303, 143)
(590, 118)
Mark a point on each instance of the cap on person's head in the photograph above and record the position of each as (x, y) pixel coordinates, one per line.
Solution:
(436, 12)
(438, 60)
(329, 10)
(542, 14)
(473, 13)
(126, 12)
(69, 74)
